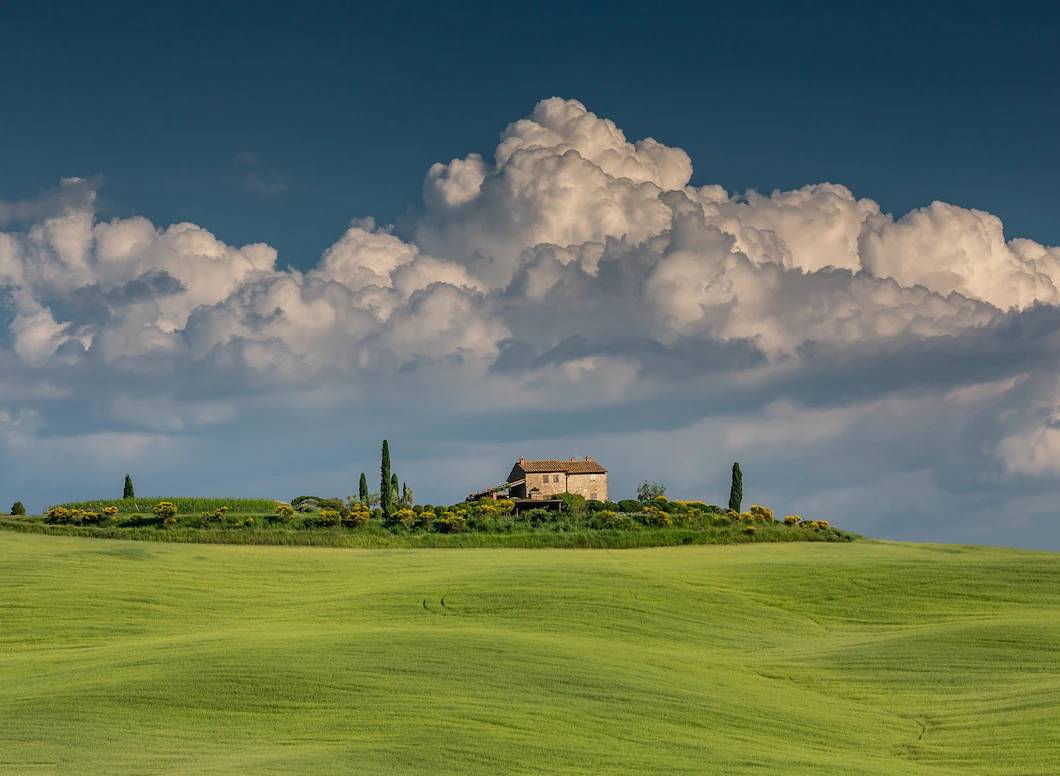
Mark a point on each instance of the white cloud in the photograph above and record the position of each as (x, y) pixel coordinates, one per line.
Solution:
(572, 282)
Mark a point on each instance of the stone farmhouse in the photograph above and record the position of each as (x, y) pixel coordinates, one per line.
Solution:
(542, 480)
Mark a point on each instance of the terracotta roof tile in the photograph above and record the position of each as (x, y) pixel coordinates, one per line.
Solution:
(568, 467)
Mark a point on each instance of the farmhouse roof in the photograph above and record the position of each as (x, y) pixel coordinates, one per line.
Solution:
(573, 466)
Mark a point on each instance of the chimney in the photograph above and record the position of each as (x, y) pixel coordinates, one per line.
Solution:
(522, 459)
(572, 460)
(588, 458)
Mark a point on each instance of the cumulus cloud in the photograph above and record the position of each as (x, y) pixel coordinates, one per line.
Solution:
(571, 282)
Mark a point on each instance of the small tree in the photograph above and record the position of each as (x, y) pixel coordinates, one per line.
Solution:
(362, 490)
(736, 489)
(395, 490)
(18, 509)
(408, 495)
(128, 491)
(648, 491)
(384, 479)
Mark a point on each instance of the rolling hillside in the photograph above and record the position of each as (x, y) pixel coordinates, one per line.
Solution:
(866, 658)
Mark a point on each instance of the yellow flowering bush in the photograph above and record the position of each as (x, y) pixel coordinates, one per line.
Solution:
(358, 516)
(284, 510)
(657, 517)
(405, 517)
(110, 511)
(327, 518)
(792, 520)
(451, 522)
(165, 509)
(761, 513)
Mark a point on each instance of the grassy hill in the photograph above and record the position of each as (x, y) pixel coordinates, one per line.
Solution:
(864, 658)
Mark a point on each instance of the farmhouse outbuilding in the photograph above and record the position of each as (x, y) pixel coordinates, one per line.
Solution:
(541, 480)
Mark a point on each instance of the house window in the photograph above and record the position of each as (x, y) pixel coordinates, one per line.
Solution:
(592, 477)
(555, 478)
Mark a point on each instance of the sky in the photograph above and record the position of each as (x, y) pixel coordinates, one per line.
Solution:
(239, 247)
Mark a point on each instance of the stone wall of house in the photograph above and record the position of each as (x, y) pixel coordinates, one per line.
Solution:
(591, 486)
(550, 484)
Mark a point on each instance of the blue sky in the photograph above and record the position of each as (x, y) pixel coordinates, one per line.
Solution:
(239, 245)
(343, 106)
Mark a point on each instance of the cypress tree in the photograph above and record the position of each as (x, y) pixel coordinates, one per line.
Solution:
(362, 489)
(395, 489)
(736, 491)
(128, 491)
(384, 485)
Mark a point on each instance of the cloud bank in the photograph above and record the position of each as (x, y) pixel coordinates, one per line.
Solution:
(571, 291)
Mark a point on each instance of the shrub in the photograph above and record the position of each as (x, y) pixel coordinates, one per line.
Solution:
(18, 508)
(134, 520)
(169, 521)
(450, 522)
(58, 515)
(328, 518)
(656, 517)
(761, 513)
(629, 505)
(286, 511)
(504, 506)
(750, 530)
(538, 515)
(404, 517)
(572, 502)
(607, 518)
(792, 520)
(357, 517)
(165, 509)
(110, 511)
(593, 505)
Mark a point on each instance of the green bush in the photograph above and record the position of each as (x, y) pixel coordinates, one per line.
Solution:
(607, 518)
(538, 515)
(572, 502)
(594, 505)
(18, 509)
(629, 505)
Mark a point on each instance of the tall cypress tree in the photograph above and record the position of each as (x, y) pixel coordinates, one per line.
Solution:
(384, 484)
(736, 491)
(128, 492)
(362, 489)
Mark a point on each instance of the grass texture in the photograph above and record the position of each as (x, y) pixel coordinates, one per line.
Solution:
(124, 657)
(375, 537)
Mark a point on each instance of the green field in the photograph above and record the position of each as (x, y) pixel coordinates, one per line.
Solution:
(124, 657)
